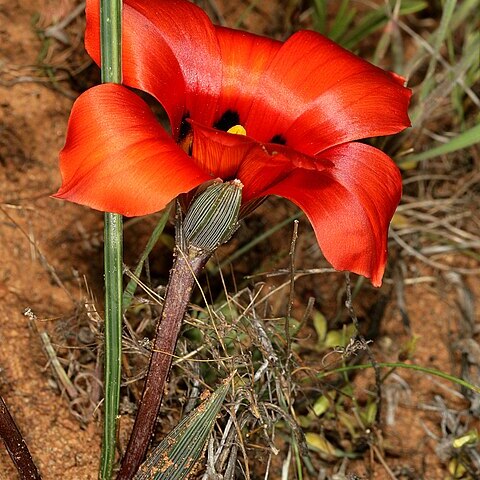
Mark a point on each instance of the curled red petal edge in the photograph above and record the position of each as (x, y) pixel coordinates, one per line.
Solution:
(349, 206)
(118, 158)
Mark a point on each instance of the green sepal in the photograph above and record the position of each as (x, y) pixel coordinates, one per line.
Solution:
(212, 217)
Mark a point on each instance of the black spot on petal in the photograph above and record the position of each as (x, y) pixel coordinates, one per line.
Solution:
(185, 128)
(228, 120)
(278, 139)
(185, 135)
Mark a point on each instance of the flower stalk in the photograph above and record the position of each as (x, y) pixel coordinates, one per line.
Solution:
(110, 42)
(210, 221)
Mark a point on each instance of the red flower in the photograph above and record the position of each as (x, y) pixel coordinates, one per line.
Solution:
(302, 103)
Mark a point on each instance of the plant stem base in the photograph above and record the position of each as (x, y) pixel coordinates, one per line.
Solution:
(181, 283)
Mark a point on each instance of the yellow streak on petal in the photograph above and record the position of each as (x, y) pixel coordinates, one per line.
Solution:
(237, 130)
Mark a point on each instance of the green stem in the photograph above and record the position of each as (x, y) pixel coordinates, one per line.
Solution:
(110, 38)
(418, 368)
(113, 339)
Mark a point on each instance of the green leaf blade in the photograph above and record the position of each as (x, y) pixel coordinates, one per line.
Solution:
(179, 452)
(463, 140)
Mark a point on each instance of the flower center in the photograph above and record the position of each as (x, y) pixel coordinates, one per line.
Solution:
(237, 130)
(228, 119)
(279, 139)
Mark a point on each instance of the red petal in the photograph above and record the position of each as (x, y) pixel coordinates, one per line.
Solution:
(219, 153)
(349, 206)
(245, 57)
(117, 158)
(170, 50)
(258, 166)
(269, 164)
(317, 95)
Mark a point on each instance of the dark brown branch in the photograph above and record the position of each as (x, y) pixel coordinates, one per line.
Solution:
(16, 446)
(182, 280)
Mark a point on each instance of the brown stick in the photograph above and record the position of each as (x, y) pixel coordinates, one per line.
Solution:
(16, 446)
(182, 280)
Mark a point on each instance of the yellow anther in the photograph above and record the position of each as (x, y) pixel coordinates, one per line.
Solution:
(237, 130)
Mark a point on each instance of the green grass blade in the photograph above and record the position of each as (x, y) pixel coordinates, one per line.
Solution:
(343, 19)
(463, 11)
(320, 15)
(463, 140)
(455, 74)
(439, 38)
(179, 452)
(418, 368)
(241, 251)
(157, 232)
(110, 38)
(246, 12)
(376, 19)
